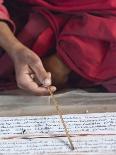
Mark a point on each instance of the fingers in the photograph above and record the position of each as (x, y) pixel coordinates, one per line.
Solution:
(41, 74)
(33, 76)
(26, 83)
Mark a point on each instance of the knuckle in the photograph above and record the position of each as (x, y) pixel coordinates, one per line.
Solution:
(33, 58)
(37, 63)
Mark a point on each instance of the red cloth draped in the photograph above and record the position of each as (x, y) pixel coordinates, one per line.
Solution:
(84, 33)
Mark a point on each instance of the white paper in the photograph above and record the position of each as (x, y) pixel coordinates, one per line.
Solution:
(79, 125)
(86, 144)
(104, 123)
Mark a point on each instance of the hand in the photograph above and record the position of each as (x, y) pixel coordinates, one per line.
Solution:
(28, 67)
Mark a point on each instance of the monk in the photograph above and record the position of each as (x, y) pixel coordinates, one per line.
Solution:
(52, 42)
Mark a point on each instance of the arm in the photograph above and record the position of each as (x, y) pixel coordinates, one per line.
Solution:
(26, 62)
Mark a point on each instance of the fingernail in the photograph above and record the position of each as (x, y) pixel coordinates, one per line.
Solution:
(54, 89)
(47, 82)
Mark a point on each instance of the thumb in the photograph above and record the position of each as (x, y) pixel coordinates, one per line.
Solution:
(41, 74)
(47, 81)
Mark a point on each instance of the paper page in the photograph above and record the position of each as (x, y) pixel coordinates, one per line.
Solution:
(86, 144)
(102, 123)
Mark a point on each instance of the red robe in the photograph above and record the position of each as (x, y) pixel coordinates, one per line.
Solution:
(83, 33)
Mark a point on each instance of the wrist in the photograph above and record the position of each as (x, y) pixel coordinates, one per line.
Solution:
(13, 48)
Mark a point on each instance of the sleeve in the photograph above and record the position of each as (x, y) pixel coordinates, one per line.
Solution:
(4, 16)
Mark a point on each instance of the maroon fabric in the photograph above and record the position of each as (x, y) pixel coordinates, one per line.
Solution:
(84, 33)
